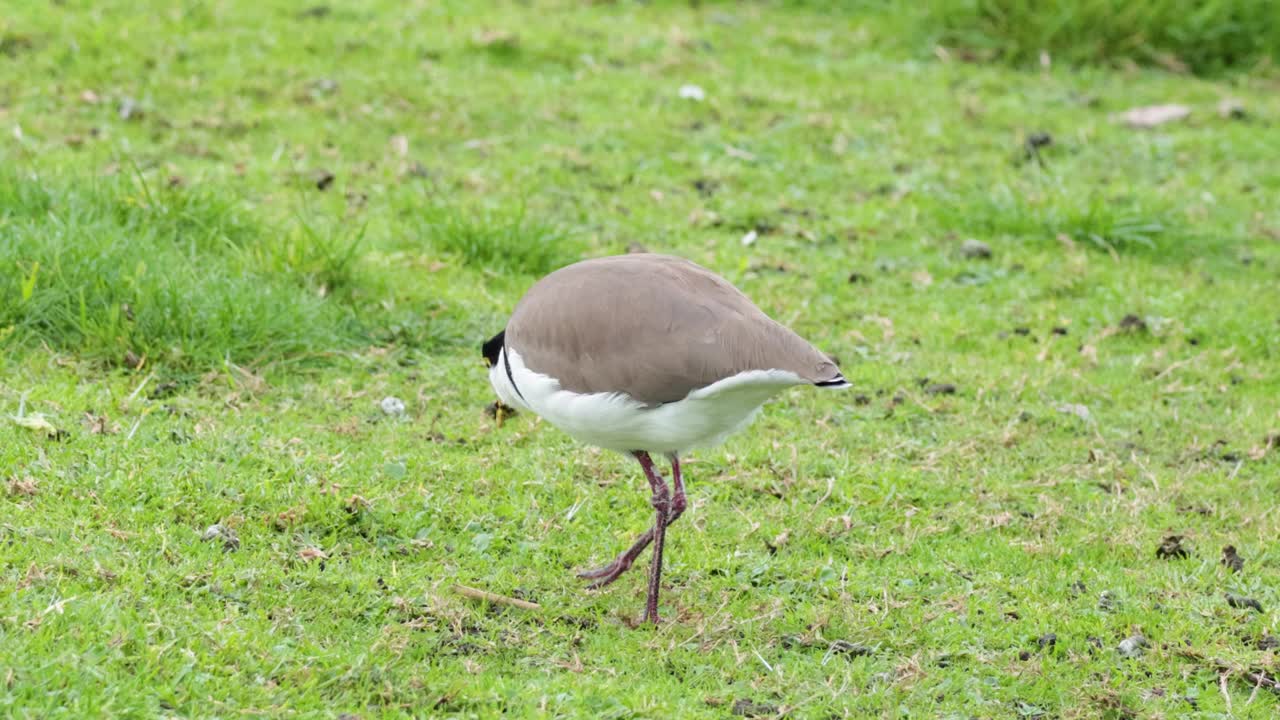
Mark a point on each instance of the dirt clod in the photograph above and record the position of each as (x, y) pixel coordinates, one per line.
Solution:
(324, 179)
(1231, 559)
(1240, 602)
(25, 487)
(744, 707)
(1047, 641)
(1132, 323)
(1039, 139)
(1172, 549)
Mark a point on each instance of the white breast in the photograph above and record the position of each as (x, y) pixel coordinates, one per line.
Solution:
(615, 421)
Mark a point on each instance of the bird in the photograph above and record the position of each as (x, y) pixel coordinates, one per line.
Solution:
(647, 354)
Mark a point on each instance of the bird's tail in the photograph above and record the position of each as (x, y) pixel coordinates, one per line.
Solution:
(836, 383)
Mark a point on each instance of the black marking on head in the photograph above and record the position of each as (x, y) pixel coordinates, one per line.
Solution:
(492, 347)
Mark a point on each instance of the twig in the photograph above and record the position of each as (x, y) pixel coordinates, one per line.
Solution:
(141, 385)
(1222, 686)
(476, 594)
(831, 483)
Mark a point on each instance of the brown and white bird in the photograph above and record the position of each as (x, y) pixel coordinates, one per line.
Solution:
(647, 354)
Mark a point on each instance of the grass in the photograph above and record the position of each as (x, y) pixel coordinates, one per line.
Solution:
(360, 194)
(114, 270)
(1201, 37)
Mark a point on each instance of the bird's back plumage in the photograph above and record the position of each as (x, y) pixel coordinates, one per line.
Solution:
(654, 328)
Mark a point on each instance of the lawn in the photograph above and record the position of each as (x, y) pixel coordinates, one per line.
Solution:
(230, 229)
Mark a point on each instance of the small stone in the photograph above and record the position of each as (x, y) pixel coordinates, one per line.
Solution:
(392, 406)
(129, 109)
(975, 250)
(693, 92)
(1107, 601)
(1232, 109)
(1132, 646)
(1048, 640)
(1080, 411)
(217, 531)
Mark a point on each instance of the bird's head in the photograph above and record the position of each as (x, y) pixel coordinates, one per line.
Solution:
(491, 348)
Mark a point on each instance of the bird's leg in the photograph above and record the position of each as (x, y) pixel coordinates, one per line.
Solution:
(661, 502)
(606, 574)
(678, 502)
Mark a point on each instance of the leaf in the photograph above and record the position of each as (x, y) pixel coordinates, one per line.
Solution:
(29, 282)
(35, 422)
(1155, 115)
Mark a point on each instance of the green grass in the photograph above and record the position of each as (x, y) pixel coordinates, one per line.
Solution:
(473, 147)
(114, 269)
(1182, 35)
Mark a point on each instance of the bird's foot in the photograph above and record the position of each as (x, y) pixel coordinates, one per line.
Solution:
(606, 574)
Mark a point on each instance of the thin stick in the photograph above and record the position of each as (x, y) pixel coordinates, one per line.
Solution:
(476, 594)
(141, 385)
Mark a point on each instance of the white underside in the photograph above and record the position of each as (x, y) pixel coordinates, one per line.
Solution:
(615, 421)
